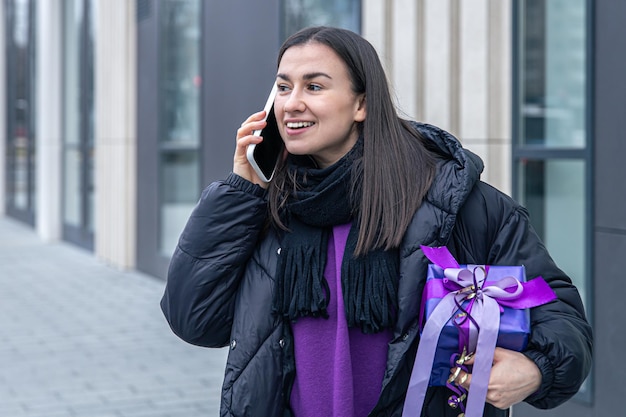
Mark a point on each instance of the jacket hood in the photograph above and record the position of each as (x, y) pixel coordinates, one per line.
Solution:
(458, 170)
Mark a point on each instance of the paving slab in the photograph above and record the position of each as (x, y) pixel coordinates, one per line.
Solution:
(79, 338)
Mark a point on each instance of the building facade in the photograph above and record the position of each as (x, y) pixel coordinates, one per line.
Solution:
(115, 114)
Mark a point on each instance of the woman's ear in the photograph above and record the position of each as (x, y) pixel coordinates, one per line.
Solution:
(361, 110)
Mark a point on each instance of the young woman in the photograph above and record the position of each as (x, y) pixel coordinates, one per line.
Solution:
(315, 279)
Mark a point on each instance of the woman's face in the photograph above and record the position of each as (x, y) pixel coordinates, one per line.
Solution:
(316, 109)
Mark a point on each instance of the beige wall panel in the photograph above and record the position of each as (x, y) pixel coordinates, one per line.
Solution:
(115, 240)
(373, 25)
(49, 173)
(404, 72)
(473, 69)
(500, 58)
(437, 63)
(500, 90)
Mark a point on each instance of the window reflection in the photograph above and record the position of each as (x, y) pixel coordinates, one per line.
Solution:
(21, 112)
(179, 193)
(179, 116)
(72, 135)
(554, 193)
(78, 121)
(298, 14)
(180, 68)
(554, 68)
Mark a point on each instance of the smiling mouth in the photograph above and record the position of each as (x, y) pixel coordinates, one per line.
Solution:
(299, 125)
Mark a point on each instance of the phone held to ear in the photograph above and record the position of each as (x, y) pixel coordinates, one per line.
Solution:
(264, 156)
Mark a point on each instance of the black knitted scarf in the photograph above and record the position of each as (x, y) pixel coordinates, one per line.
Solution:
(324, 198)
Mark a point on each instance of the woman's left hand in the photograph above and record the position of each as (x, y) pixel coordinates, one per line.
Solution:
(513, 378)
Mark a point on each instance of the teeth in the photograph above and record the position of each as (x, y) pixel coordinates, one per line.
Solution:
(298, 125)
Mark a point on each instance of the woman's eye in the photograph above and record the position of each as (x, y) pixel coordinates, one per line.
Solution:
(315, 87)
(283, 87)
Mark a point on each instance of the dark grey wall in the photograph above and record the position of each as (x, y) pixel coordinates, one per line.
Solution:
(610, 207)
(241, 45)
(609, 233)
(148, 259)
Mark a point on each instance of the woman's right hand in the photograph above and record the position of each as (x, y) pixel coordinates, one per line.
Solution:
(241, 166)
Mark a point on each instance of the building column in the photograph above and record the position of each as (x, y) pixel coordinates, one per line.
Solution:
(407, 54)
(439, 64)
(500, 101)
(449, 64)
(49, 171)
(115, 135)
(375, 21)
(485, 86)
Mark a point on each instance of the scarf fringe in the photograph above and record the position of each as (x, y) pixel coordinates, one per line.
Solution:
(370, 293)
(370, 289)
(303, 290)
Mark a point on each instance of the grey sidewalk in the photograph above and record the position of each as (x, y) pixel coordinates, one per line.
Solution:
(79, 338)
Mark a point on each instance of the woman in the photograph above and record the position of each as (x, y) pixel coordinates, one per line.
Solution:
(315, 279)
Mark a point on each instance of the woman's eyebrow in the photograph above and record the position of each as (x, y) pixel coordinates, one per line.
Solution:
(308, 76)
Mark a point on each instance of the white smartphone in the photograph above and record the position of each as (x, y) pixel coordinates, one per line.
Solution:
(264, 156)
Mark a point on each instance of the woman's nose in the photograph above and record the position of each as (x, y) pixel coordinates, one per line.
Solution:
(294, 102)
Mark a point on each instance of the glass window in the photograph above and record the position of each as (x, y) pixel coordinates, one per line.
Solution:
(179, 116)
(298, 14)
(551, 140)
(554, 73)
(554, 192)
(73, 19)
(78, 126)
(20, 87)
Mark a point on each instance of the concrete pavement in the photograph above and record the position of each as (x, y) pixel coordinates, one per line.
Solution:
(81, 339)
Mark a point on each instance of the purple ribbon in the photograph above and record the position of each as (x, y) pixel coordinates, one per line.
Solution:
(486, 299)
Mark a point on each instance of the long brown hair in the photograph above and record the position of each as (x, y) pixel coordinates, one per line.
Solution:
(396, 170)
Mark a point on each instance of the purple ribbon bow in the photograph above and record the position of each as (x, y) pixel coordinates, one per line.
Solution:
(485, 301)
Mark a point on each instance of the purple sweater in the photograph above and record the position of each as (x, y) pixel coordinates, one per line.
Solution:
(339, 370)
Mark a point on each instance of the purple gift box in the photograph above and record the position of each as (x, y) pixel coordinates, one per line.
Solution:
(514, 323)
(478, 306)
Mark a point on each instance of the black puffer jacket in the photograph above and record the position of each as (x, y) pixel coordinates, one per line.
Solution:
(221, 281)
